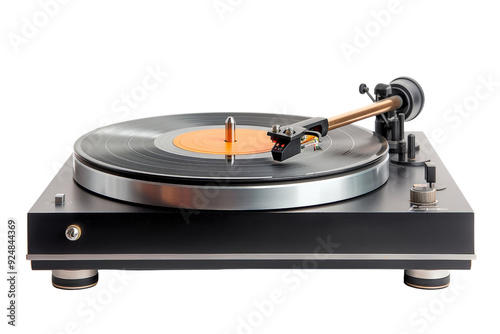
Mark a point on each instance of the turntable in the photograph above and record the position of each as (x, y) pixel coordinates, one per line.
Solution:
(253, 190)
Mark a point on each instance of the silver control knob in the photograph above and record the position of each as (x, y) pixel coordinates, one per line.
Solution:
(422, 194)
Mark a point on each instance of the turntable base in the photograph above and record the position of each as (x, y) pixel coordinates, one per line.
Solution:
(380, 229)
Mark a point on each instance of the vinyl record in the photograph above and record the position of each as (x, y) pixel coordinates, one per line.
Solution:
(158, 160)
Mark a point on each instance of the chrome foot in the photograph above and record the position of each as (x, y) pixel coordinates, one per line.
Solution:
(74, 279)
(427, 279)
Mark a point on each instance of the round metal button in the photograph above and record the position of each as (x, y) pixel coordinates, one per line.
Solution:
(73, 232)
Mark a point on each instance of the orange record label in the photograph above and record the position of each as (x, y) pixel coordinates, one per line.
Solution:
(211, 141)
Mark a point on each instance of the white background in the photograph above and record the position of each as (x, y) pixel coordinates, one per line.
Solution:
(68, 75)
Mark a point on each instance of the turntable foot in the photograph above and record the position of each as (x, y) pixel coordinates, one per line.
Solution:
(74, 279)
(427, 279)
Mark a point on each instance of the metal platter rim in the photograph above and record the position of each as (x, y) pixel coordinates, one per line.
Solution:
(214, 196)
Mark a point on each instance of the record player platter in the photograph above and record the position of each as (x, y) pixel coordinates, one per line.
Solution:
(177, 160)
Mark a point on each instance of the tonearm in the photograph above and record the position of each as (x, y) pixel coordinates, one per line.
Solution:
(393, 104)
